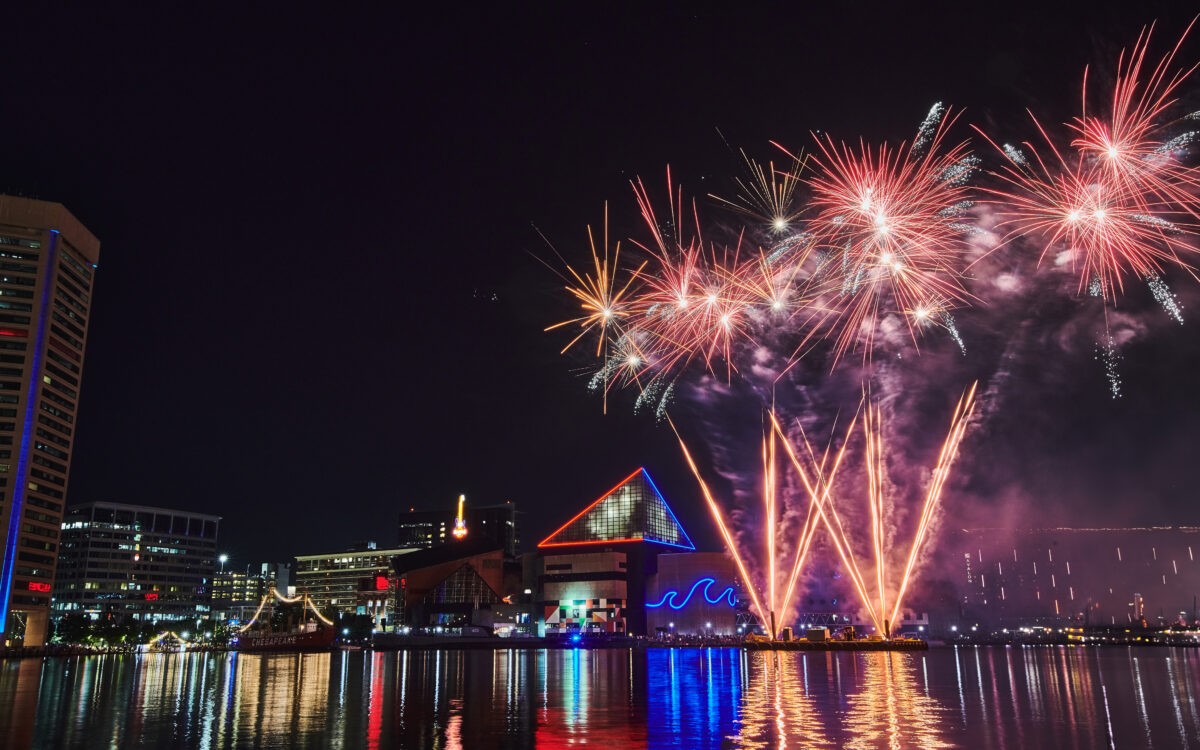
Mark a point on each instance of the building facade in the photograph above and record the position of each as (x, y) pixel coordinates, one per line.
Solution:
(136, 561)
(237, 593)
(592, 571)
(230, 594)
(450, 586)
(693, 593)
(333, 580)
(47, 268)
(431, 528)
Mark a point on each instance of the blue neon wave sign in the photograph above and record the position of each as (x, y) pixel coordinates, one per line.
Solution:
(669, 598)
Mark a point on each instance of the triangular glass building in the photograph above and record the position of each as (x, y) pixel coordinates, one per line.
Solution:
(633, 511)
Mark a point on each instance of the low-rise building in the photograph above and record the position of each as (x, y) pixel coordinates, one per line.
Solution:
(334, 580)
(452, 585)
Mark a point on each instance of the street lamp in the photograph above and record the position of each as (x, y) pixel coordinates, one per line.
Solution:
(222, 558)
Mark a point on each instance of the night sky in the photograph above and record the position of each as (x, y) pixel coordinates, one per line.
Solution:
(320, 299)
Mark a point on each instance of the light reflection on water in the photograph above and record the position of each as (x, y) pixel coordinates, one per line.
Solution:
(979, 698)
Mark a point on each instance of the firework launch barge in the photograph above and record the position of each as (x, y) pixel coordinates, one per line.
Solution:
(819, 639)
(901, 644)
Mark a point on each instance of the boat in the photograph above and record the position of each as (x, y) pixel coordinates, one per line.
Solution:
(319, 639)
(315, 634)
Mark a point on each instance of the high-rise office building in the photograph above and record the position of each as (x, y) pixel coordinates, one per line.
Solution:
(232, 594)
(433, 528)
(47, 268)
(236, 594)
(136, 561)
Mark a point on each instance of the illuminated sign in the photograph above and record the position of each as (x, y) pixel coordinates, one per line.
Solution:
(460, 528)
(42, 587)
(669, 597)
(403, 583)
(381, 583)
(151, 596)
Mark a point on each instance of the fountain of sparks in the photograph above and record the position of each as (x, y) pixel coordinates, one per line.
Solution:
(818, 475)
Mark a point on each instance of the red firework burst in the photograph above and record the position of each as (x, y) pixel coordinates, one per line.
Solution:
(1131, 144)
(1120, 203)
(889, 221)
(692, 306)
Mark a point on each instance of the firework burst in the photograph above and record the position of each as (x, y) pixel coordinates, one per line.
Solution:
(767, 195)
(698, 302)
(840, 250)
(889, 223)
(1117, 202)
(1131, 145)
(600, 297)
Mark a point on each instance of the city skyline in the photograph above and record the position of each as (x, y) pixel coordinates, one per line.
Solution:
(317, 285)
(678, 375)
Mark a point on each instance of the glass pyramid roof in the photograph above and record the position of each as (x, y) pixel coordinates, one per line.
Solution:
(633, 511)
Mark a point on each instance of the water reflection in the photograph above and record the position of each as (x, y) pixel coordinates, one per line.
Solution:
(776, 709)
(893, 707)
(595, 697)
(692, 696)
(979, 698)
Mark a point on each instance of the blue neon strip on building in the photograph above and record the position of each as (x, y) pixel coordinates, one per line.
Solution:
(21, 479)
(669, 598)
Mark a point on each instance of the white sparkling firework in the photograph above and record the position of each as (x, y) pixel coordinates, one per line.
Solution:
(961, 171)
(948, 322)
(657, 395)
(601, 377)
(1155, 221)
(1107, 353)
(1016, 155)
(1177, 143)
(648, 396)
(971, 230)
(929, 127)
(667, 397)
(1165, 297)
(958, 209)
